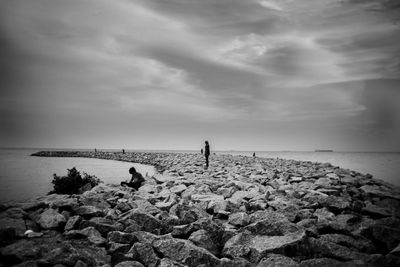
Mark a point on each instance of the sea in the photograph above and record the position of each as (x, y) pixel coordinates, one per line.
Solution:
(23, 177)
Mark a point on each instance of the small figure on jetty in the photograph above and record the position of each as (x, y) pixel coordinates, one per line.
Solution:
(201, 151)
(207, 152)
(254, 154)
(136, 180)
(123, 151)
(95, 150)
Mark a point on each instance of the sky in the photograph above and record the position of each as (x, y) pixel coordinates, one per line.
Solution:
(244, 75)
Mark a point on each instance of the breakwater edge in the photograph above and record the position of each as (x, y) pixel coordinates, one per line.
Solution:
(242, 211)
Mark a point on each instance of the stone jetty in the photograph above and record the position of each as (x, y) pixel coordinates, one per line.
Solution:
(241, 211)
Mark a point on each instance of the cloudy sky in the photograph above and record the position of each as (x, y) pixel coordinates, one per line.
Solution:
(169, 74)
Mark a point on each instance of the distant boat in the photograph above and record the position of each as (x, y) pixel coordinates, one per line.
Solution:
(323, 150)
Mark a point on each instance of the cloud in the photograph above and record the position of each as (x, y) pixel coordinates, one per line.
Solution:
(195, 62)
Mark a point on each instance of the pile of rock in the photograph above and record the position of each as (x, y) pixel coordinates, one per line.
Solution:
(239, 212)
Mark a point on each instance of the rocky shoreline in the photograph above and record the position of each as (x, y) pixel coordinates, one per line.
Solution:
(240, 212)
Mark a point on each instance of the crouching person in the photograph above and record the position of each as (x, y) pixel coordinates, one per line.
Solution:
(136, 180)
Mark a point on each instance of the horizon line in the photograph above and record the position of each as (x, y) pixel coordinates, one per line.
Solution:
(191, 150)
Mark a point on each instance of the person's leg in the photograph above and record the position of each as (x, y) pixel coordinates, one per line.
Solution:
(207, 161)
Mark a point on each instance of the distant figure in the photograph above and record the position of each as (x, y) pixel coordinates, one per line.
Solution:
(201, 151)
(95, 150)
(123, 151)
(254, 154)
(207, 152)
(136, 180)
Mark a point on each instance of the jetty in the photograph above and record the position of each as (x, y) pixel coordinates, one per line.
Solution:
(241, 211)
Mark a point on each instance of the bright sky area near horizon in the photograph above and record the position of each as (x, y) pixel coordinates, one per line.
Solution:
(245, 75)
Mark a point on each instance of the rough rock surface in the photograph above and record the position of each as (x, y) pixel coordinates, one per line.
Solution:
(241, 211)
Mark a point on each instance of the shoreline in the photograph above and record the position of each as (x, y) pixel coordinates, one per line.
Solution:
(242, 211)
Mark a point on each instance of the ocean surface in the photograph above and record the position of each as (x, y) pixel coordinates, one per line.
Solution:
(24, 177)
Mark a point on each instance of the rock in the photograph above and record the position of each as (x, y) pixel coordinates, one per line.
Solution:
(273, 224)
(396, 251)
(11, 228)
(103, 225)
(129, 264)
(144, 206)
(184, 252)
(240, 196)
(51, 219)
(239, 219)
(326, 262)
(121, 237)
(73, 223)
(375, 190)
(385, 237)
(360, 244)
(31, 263)
(165, 262)
(202, 239)
(256, 246)
(376, 211)
(188, 214)
(178, 189)
(324, 248)
(68, 253)
(117, 248)
(146, 254)
(22, 250)
(238, 262)
(207, 198)
(88, 212)
(90, 233)
(145, 222)
(276, 260)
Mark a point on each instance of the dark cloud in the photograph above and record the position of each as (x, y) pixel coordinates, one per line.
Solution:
(141, 73)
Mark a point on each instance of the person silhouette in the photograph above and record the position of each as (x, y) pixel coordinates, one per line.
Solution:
(207, 152)
(136, 180)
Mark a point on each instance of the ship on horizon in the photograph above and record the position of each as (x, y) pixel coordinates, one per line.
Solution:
(323, 150)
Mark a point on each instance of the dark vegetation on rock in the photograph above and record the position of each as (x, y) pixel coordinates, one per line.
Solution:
(73, 183)
(240, 212)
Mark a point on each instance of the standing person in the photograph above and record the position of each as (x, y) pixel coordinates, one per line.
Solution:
(201, 151)
(207, 152)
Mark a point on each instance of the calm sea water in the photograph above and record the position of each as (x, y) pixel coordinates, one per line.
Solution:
(24, 177)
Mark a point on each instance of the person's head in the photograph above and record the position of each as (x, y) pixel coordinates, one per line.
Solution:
(206, 142)
(132, 170)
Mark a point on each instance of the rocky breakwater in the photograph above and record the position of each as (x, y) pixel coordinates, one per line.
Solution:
(240, 212)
